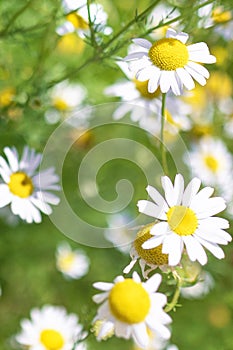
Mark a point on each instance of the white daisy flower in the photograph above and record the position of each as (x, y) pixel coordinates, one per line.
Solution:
(118, 233)
(64, 98)
(199, 289)
(132, 307)
(210, 161)
(24, 188)
(170, 64)
(186, 219)
(73, 264)
(51, 328)
(79, 21)
(152, 258)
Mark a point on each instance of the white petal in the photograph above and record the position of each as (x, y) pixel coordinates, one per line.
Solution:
(175, 83)
(199, 69)
(48, 197)
(153, 283)
(144, 73)
(44, 207)
(142, 42)
(5, 166)
(129, 267)
(151, 209)
(99, 298)
(183, 37)
(186, 78)
(5, 195)
(173, 246)
(195, 250)
(213, 206)
(161, 330)
(157, 198)
(136, 277)
(159, 229)
(140, 335)
(199, 47)
(12, 157)
(153, 242)
(105, 286)
(198, 77)
(215, 222)
(154, 81)
(164, 81)
(213, 248)
(200, 197)
(105, 329)
(135, 56)
(178, 189)
(122, 330)
(214, 236)
(4, 175)
(201, 58)
(191, 191)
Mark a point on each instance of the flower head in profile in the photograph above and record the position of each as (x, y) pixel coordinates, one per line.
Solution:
(186, 219)
(151, 258)
(24, 188)
(73, 264)
(169, 63)
(51, 328)
(132, 307)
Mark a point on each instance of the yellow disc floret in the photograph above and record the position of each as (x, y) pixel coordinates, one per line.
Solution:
(212, 163)
(182, 220)
(51, 339)
(129, 301)
(66, 261)
(169, 54)
(152, 256)
(60, 104)
(142, 87)
(77, 21)
(21, 184)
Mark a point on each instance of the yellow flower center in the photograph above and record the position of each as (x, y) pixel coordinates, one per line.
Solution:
(60, 104)
(70, 44)
(51, 339)
(142, 87)
(212, 163)
(169, 54)
(66, 261)
(21, 185)
(77, 21)
(220, 16)
(182, 220)
(129, 301)
(6, 96)
(152, 256)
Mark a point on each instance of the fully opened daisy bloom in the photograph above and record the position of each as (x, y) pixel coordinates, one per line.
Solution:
(73, 264)
(186, 219)
(151, 258)
(26, 190)
(169, 63)
(51, 328)
(132, 307)
(210, 161)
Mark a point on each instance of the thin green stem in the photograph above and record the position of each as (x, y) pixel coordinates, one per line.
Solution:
(170, 306)
(92, 31)
(162, 145)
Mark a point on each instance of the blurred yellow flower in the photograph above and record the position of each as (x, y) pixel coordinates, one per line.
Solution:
(6, 96)
(70, 43)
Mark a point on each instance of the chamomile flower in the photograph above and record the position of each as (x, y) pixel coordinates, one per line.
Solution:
(132, 307)
(64, 97)
(151, 258)
(73, 264)
(169, 63)
(26, 190)
(186, 219)
(199, 289)
(79, 21)
(210, 161)
(51, 328)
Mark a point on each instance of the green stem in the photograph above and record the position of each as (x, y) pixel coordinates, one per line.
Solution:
(92, 31)
(162, 145)
(170, 306)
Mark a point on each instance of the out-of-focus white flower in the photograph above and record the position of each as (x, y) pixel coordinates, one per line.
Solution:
(26, 190)
(204, 284)
(65, 97)
(51, 328)
(79, 21)
(73, 264)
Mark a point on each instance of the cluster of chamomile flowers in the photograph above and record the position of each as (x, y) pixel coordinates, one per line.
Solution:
(184, 226)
